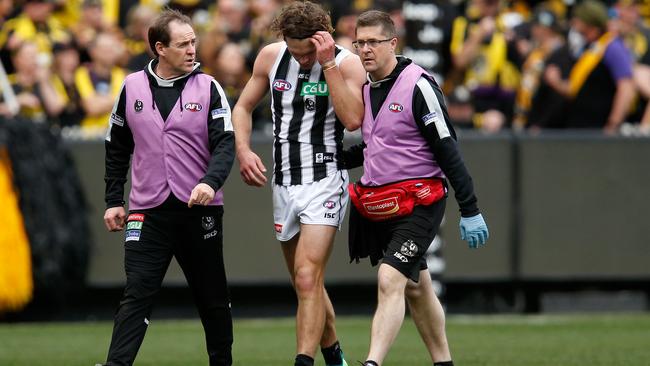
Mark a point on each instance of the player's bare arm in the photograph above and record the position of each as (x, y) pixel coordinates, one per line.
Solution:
(251, 167)
(344, 82)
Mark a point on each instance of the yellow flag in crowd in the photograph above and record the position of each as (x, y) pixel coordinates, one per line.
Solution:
(16, 282)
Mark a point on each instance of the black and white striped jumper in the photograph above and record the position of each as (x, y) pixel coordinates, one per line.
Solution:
(308, 136)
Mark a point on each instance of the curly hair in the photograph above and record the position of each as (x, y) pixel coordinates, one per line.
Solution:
(301, 19)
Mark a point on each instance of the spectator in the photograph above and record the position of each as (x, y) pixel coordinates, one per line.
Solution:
(137, 44)
(67, 12)
(6, 7)
(262, 12)
(33, 24)
(229, 24)
(484, 62)
(600, 86)
(66, 62)
(232, 18)
(230, 71)
(538, 105)
(644, 11)
(636, 37)
(210, 42)
(99, 81)
(91, 23)
(191, 8)
(460, 107)
(344, 25)
(31, 83)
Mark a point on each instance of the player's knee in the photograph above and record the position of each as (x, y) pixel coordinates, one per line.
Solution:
(389, 285)
(307, 280)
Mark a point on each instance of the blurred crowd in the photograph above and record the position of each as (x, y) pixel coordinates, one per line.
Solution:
(551, 65)
(510, 65)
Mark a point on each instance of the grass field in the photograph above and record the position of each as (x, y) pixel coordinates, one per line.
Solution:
(565, 340)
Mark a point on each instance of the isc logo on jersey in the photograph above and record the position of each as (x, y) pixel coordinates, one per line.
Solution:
(318, 89)
(281, 85)
(395, 107)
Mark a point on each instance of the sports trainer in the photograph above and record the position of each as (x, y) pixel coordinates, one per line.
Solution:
(410, 148)
(175, 123)
(315, 93)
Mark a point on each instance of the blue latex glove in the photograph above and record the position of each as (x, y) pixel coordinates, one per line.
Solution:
(474, 231)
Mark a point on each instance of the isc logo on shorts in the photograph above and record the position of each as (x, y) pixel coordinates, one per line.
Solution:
(211, 234)
(278, 228)
(401, 257)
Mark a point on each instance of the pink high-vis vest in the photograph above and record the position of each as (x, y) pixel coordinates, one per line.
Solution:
(395, 148)
(172, 155)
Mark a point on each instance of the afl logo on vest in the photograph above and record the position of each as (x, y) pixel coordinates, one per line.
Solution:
(138, 105)
(395, 107)
(281, 85)
(193, 107)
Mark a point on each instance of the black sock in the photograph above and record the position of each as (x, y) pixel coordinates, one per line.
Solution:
(304, 360)
(332, 354)
(370, 363)
(444, 363)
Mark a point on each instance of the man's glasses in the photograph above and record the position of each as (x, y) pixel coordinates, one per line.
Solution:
(372, 43)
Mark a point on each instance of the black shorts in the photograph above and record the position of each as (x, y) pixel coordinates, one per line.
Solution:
(400, 243)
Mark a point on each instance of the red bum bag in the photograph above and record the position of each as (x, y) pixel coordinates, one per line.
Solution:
(389, 201)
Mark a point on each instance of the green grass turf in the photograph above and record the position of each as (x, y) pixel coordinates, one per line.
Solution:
(552, 340)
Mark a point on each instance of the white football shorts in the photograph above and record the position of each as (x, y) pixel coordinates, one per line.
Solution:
(317, 203)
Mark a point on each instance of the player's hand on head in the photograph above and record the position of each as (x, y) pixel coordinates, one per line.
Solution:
(325, 46)
(202, 194)
(474, 230)
(114, 218)
(251, 169)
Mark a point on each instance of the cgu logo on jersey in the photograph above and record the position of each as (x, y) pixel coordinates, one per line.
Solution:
(281, 85)
(318, 89)
(193, 107)
(395, 107)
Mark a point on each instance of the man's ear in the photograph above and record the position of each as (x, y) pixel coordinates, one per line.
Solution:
(159, 48)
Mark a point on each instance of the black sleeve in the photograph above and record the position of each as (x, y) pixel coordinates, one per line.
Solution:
(353, 156)
(221, 139)
(431, 116)
(119, 147)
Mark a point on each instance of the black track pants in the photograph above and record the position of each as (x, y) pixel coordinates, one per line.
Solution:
(195, 237)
